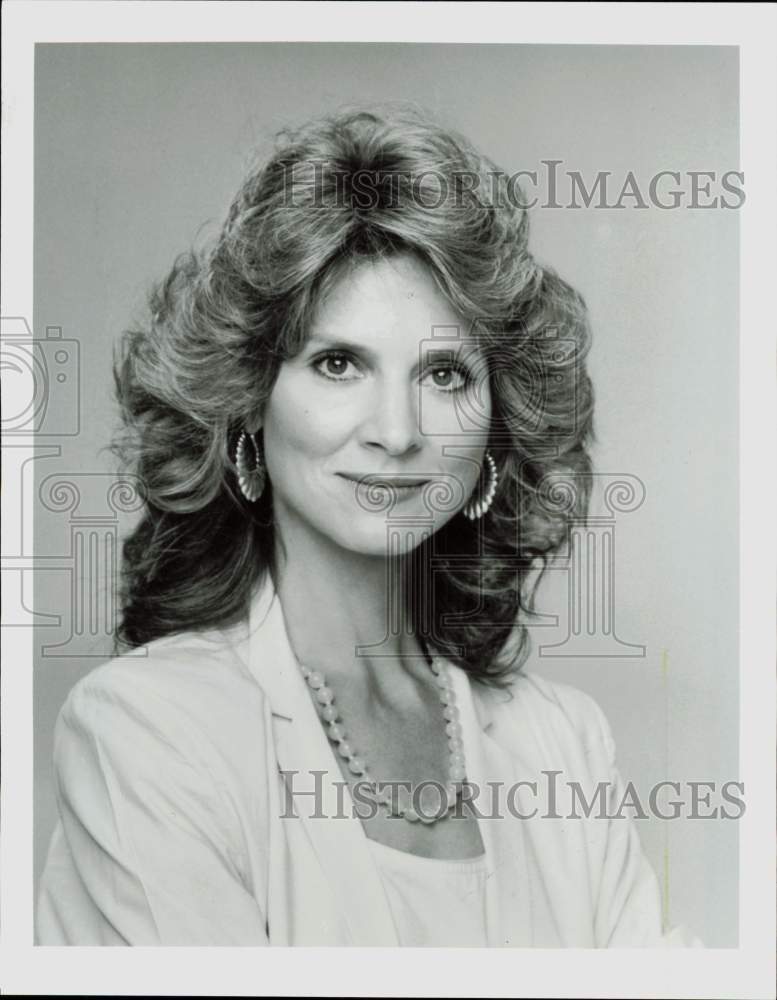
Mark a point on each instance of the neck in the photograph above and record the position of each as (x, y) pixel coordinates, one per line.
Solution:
(345, 611)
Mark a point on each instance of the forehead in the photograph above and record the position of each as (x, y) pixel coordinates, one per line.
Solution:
(392, 299)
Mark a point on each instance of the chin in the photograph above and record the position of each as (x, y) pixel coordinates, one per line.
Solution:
(383, 539)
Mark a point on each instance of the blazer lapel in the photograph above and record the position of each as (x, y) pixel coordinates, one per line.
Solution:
(307, 759)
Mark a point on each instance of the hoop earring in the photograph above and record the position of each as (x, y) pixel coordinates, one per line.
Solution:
(476, 508)
(251, 480)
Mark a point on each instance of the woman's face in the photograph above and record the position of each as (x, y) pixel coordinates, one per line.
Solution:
(374, 434)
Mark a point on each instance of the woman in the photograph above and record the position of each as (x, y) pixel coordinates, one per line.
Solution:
(352, 415)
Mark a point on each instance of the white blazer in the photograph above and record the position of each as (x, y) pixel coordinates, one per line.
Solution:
(172, 827)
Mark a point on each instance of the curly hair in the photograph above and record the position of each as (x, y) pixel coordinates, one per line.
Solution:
(359, 184)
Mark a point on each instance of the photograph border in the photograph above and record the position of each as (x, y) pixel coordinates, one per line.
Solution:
(742, 972)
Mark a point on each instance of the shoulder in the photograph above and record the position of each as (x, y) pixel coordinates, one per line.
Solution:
(161, 755)
(183, 690)
(534, 711)
(567, 706)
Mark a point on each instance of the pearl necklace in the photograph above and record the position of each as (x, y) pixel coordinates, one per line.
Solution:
(399, 805)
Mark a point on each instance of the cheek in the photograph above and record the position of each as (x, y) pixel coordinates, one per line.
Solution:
(462, 424)
(466, 469)
(462, 430)
(460, 417)
(297, 425)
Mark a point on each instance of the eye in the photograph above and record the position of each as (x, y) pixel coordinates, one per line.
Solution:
(335, 365)
(448, 377)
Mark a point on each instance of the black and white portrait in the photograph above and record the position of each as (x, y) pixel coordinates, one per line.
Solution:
(384, 576)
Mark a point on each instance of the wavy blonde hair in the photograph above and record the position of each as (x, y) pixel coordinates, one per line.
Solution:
(357, 185)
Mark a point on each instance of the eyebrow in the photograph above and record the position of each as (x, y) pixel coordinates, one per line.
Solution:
(337, 342)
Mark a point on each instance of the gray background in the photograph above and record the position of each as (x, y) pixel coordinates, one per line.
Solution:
(136, 146)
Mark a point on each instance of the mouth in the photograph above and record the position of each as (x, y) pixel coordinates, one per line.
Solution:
(394, 482)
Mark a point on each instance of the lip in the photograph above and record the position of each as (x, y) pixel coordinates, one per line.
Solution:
(397, 482)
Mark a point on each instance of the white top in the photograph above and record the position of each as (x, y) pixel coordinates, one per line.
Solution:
(177, 772)
(434, 902)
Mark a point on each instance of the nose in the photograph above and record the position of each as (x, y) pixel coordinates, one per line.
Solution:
(391, 423)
